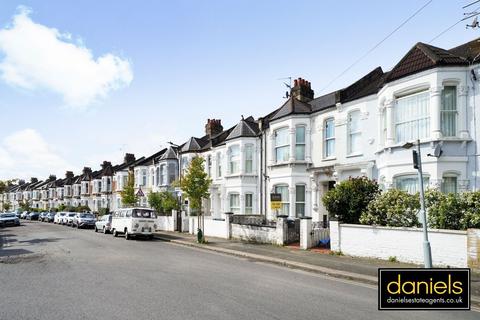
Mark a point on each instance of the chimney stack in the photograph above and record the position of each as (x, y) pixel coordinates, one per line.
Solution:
(33, 180)
(52, 177)
(69, 174)
(213, 127)
(129, 157)
(302, 90)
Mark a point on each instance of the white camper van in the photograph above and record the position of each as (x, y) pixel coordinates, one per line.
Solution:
(134, 222)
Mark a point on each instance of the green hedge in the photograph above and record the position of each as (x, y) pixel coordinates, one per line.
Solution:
(350, 198)
(394, 208)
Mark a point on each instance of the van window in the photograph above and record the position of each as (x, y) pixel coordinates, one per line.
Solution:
(139, 213)
(129, 213)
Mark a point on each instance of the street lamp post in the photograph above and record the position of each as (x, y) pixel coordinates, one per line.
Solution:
(417, 164)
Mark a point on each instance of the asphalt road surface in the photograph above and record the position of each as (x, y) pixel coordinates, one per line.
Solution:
(54, 272)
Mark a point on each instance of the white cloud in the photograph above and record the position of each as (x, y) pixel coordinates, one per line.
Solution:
(39, 57)
(25, 154)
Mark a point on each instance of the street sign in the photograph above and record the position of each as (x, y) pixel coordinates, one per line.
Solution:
(275, 201)
(140, 193)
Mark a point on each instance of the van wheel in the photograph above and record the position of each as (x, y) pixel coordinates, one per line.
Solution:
(127, 236)
(104, 230)
(115, 233)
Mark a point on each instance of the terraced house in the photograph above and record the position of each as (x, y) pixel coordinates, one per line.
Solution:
(309, 143)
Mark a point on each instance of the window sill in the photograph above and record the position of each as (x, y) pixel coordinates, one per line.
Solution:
(289, 163)
(329, 158)
(353, 155)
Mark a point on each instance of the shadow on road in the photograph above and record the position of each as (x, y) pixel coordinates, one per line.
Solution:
(13, 252)
(36, 241)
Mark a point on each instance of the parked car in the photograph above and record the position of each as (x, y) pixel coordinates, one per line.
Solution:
(49, 217)
(9, 219)
(33, 216)
(42, 215)
(18, 213)
(104, 223)
(68, 218)
(134, 222)
(83, 220)
(24, 215)
(58, 217)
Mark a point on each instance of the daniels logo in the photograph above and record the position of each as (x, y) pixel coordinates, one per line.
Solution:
(423, 289)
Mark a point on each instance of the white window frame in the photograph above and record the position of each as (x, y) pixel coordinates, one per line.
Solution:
(234, 159)
(300, 144)
(234, 209)
(248, 158)
(327, 139)
(353, 132)
(281, 146)
(297, 202)
(415, 121)
(248, 206)
(445, 113)
(285, 202)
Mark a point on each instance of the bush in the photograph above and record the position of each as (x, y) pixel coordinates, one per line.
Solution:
(445, 211)
(349, 198)
(103, 211)
(394, 208)
(471, 206)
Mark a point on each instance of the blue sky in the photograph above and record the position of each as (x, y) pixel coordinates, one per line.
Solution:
(173, 64)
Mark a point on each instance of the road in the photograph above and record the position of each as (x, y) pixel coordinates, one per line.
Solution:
(54, 272)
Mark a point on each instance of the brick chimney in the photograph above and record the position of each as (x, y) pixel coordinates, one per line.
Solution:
(302, 90)
(129, 157)
(52, 177)
(33, 180)
(69, 174)
(213, 127)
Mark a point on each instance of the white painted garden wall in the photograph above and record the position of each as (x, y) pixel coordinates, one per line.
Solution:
(165, 223)
(212, 227)
(449, 247)
(254, 233)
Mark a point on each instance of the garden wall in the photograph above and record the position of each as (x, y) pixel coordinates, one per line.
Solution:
(449, 247)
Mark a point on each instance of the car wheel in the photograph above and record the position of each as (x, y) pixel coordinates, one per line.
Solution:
(127, 236)
(104, 230)
(115, 233)
(96, 230)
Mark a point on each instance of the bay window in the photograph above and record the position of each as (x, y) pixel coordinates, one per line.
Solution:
(329, 138)
(248, 158)
(219, 164)
(410, 183)
(282, 145)
(448, 112)
(449, 184)
(300, 200)
(163, 175)
(283, 191)
(248, 203)
(300, 143)
(354, 133)
(234, 200)
(234, 159)
(209, 165)
(412, 117)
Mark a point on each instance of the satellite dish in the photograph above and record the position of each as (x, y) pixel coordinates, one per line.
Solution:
(437, 152)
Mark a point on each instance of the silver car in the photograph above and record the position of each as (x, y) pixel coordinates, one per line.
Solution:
(83, 220)
(104, 224)
(68, 218)
(9, 219)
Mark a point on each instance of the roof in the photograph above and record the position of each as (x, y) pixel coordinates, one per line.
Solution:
(469, 50)
(150, 159)
(423, 57)
(292, 106)
(245, 128)
(169, 154)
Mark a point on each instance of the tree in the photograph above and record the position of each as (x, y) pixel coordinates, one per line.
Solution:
(169, 201)
(7, 205)
(350, 198)
(195, 185)
(129, 198)
(25, 205)
(155, 201)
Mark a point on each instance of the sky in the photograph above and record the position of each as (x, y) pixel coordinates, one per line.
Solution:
(86, 81)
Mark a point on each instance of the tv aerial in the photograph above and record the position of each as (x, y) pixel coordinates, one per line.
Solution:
(288, 85)
(474, 24)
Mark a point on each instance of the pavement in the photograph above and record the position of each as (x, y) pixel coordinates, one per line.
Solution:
(55, 272)
(319, 261)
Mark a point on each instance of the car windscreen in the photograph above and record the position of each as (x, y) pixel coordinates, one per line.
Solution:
(139, 213)
(62, 214)
(7, 215)
(86, 215)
